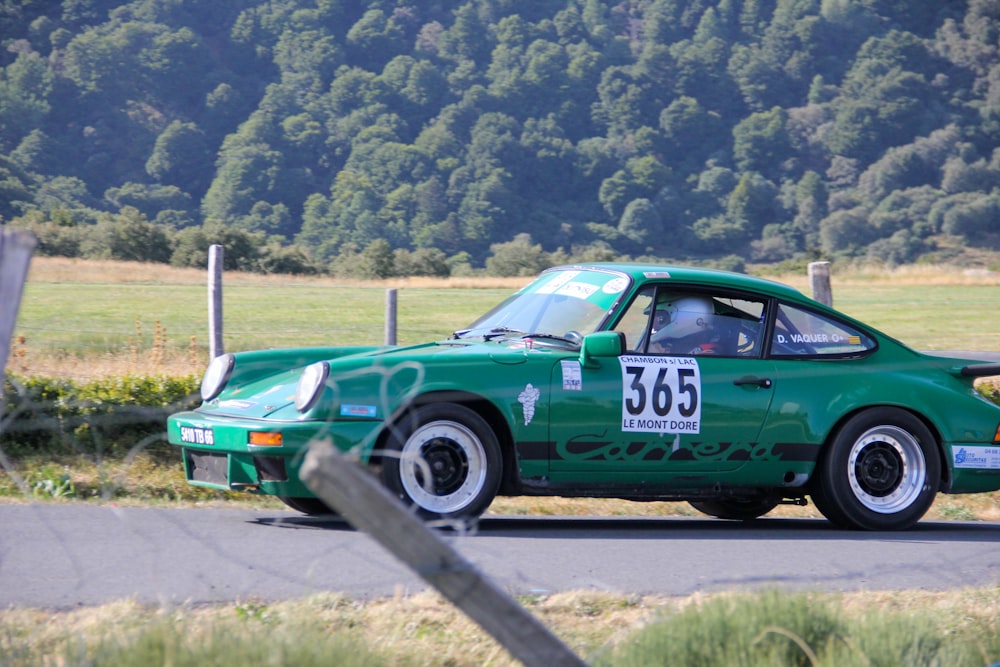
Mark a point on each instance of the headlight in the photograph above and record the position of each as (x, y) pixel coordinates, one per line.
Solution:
(216, 376)
(311, 385)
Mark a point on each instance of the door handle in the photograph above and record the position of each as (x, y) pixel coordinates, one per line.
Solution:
(763, 383)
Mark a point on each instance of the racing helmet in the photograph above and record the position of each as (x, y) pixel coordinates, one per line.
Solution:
(688, 315)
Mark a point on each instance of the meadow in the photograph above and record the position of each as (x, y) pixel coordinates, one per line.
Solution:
(87, 319)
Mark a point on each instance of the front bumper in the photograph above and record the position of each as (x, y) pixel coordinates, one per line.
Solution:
(217, 454)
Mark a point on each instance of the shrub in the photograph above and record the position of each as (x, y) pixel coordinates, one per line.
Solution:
(104, 416)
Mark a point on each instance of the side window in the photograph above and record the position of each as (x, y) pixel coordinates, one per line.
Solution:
(693, 322)
(802, 333)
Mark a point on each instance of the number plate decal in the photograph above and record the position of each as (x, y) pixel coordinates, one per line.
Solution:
(197, 435)
(661, 394)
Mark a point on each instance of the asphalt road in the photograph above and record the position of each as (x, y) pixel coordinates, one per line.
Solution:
(64, 556)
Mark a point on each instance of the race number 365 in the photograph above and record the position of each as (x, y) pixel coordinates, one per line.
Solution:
(661, 394)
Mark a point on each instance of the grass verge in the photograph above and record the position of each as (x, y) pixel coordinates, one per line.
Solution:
(769, 627)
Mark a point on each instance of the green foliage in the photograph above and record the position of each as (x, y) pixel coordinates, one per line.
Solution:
(315, 129)
(99, 417)
(519, 257)
(787, 628)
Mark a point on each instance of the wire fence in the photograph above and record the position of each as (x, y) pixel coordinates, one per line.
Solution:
(93, 329)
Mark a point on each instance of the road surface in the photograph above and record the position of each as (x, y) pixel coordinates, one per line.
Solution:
(64, 556)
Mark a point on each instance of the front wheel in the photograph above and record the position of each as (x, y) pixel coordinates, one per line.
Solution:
(879, 472)
(443, 459)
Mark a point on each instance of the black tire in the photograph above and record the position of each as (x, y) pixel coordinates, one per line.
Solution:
(880, 471)
(736, 509)
(310, 506)
(444, 460)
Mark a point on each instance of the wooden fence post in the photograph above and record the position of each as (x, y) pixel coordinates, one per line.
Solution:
(390, 316)
(216, 254)
(16, 246)
(368, 506)
(819, 281)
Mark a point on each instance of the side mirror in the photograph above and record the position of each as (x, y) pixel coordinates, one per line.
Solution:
(601, 345)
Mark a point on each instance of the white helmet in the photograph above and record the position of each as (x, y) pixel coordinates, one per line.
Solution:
(688, 315)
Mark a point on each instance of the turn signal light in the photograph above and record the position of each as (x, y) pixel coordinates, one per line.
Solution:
(265, 439)
(996, 436)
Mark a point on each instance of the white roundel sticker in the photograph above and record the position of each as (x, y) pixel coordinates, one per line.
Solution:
(661, 394)
(615, 286)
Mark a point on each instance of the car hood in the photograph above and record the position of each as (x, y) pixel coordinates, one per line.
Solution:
(271, 396)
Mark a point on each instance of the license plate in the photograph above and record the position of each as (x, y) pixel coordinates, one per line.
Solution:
(197, 435)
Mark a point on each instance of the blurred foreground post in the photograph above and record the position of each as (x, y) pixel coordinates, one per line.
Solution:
(16, 246)
(819, 281)
(368, 506)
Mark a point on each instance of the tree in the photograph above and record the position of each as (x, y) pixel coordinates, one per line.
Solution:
(374, 38)
(126, 236)
(24, 89)
(518, 257)
(846, 232)
(752, 203)
(149, 200)
(761, 142)
(181, 157)
(973, 218)
(639, 220)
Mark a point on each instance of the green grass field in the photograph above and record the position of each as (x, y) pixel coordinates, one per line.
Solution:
(98, 316)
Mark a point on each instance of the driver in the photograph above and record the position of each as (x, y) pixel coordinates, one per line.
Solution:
(684, 325)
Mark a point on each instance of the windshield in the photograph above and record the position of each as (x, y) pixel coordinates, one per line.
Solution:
(566, 301)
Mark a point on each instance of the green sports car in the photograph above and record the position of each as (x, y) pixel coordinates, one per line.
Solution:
(631, 381)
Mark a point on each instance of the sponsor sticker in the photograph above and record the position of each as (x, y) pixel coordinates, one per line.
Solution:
(977, 457)
(527, 399)
(572, 378)
(615, 286)
(348, 410)
(558, 281)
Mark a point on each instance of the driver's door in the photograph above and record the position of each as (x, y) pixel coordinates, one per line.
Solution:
(654, 416)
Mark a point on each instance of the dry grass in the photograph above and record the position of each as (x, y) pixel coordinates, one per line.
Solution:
(70, 270)
(425, 629)
(903, 276)
(170, 363)
(965, 507)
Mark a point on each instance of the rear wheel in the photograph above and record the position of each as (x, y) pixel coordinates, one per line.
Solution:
(310, 506)
(445, 460)
(879, 472)
(736, 509)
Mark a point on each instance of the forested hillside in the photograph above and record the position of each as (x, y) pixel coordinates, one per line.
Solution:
(424, 136)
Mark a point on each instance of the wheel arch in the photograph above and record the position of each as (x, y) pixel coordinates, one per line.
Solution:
(945, 480)
(481, 406)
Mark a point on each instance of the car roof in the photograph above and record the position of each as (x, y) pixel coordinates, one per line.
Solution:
(643, 272)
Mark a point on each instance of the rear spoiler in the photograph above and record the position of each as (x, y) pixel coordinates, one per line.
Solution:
(980, 370)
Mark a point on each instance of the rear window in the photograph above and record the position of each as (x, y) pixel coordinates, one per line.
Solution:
(803, 333)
